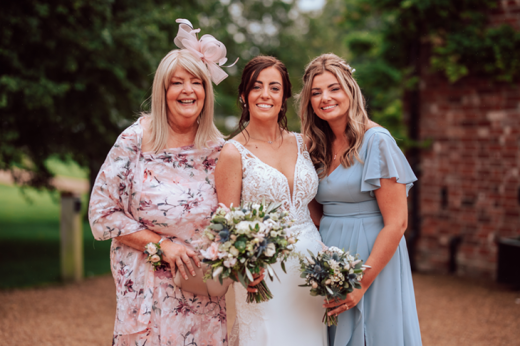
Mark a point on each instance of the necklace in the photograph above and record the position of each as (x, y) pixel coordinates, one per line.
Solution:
(336, 154)
(263, 140)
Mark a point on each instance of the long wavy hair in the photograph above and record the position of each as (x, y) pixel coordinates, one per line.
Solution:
(207, 131)
(318, 131)
(247, 82)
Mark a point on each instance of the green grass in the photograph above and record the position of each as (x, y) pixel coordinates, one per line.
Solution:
(66, 169)
(30, 239)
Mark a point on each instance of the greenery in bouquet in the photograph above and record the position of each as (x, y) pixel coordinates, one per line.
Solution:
(332, 273)
(246, 239)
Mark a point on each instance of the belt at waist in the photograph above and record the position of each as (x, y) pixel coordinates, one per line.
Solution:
(351, 209)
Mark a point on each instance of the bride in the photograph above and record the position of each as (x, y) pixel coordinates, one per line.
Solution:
(265, 161)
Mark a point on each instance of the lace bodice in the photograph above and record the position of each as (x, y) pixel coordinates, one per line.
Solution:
(261, 181)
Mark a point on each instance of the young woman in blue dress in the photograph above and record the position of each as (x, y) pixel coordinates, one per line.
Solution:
(362, 207)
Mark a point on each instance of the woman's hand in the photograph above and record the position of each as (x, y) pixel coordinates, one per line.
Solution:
(178, 255)
(257, 279)
(343, 305)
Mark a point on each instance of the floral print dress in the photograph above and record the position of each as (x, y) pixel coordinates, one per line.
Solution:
(171, 193)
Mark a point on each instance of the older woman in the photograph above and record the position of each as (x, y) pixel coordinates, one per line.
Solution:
(156, 191)
(364, 181)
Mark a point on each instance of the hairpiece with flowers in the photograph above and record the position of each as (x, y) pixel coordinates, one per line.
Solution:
(211, 51)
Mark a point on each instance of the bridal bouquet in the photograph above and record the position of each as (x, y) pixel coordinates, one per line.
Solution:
(332, 273)
(245, 240)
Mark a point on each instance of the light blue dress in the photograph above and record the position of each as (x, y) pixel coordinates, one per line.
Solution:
(386, 315)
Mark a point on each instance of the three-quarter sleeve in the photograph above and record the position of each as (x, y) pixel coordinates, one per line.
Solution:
(111, 209)
(385, 160)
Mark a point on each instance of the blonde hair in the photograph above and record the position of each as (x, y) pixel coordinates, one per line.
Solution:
(159, 126)
(317, 130)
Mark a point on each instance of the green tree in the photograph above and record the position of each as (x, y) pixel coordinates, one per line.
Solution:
(71, 74)
(74, 73)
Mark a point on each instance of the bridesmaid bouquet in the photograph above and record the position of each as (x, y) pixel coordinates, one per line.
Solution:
(245, 240)
(333, 273)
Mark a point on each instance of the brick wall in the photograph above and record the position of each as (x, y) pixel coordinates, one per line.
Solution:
(470, 183)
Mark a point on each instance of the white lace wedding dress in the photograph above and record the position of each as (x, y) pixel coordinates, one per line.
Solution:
(293, 316)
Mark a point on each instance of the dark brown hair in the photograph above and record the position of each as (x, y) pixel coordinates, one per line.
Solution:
(247, 82)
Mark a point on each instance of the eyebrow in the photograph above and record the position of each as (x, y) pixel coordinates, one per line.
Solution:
(194, 77)
(327, 86)
(269, 83)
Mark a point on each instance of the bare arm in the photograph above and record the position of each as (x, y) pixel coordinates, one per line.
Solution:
(316, 211)
(391, 198)
(228, 176)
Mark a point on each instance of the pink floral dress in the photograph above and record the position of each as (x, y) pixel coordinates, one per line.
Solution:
(171, 193)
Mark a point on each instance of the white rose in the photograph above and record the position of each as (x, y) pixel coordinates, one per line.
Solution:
(234, 251)
(243, 226)
(271, 249)
(229, 217)
(151, 248)
(155, 259)
(238, 214)
(335, 249)
(230, 262)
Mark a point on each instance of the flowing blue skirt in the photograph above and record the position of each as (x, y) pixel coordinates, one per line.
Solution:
(387, 314)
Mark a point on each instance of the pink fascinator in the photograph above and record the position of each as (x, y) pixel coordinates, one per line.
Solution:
(211, 51)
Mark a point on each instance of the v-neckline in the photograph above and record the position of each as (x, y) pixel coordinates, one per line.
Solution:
(362, 145)
(291, 193)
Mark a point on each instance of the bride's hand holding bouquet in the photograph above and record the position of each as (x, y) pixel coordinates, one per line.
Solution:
(245, 241)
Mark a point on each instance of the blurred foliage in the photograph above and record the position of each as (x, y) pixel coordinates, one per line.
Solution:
(73, 74)
(456, 35)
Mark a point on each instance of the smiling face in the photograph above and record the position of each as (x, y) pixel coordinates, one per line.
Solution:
(185, 96)
(266, 97)
(329, 101)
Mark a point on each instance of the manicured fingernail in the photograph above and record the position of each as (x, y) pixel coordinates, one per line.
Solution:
(198, 265)
(192, 273)
(186, 277)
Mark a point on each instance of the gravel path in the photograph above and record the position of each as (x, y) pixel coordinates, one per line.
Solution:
(452, 311)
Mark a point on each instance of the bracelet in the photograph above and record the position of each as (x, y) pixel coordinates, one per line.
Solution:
(154, 252)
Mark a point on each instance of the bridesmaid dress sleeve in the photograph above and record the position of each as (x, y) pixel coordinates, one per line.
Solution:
(384, 160)
(112, 206)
